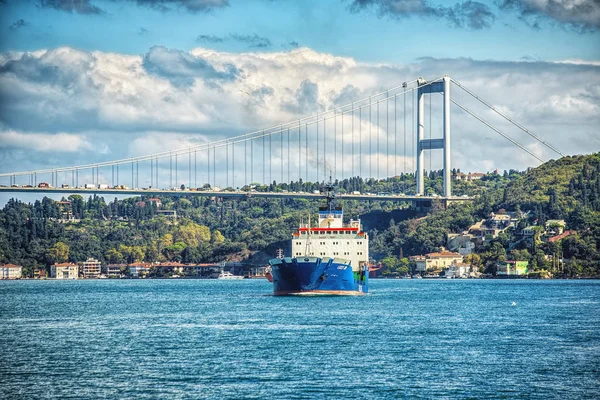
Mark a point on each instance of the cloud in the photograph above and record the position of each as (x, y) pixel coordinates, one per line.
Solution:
(20, 23)
(183, 68)
(169, 98)
(253, 41)
(72, 6)
(468, 14)
(43, 142)
(209, 39)
(579, 15)
(188, 5)
(305, 100)
(87, 7)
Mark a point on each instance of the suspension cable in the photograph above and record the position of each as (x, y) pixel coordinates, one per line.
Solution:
(497, 131)
(509, 119)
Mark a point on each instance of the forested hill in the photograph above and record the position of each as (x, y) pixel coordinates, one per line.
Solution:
(251, 229)
(562, 185)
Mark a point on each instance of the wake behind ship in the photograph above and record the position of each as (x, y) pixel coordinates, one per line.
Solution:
(329, 259)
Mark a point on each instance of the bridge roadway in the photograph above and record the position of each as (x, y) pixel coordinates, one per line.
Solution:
(230, 194)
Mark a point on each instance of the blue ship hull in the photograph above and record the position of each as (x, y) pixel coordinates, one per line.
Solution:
(313, 275)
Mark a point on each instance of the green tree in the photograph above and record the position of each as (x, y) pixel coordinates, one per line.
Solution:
(58, 253)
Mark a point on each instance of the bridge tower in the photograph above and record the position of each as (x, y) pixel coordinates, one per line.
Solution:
(442, 86)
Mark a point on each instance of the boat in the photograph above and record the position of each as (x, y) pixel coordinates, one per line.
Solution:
(268, 274)
(229, 276)
(328, 259)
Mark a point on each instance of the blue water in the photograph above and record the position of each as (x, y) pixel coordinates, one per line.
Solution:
(219, 339)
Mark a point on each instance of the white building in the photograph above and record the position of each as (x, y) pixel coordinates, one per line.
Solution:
(458, 270)
(91, 268)
(10, 271)
(332, 239)
(64, 271)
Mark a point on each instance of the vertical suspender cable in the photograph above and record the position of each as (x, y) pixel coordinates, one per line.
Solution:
(299, 152)
(377, 151)
(360, 141)
(342, 160)
(387, 135)
(317, 163)
(214, 167)
(370, 141)
(306, 151)
(352, 139)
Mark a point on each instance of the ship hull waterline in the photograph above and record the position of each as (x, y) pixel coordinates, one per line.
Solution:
(314, 276)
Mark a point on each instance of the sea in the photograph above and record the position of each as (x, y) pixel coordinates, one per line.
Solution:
(214, 339)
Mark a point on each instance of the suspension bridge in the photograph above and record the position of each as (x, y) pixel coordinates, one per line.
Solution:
(378, 137)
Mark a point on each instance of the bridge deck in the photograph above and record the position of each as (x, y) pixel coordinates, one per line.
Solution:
(236, 194)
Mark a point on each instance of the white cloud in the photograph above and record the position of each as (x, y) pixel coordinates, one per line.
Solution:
(170, 99)
(44, 142)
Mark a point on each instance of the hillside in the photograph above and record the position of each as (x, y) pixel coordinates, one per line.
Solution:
(251, 229)
(564, 185)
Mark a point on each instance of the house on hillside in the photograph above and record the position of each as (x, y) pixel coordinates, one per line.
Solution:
(463, 243)
(555, 226)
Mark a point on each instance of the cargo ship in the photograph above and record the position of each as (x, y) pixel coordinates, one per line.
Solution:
(328, 259)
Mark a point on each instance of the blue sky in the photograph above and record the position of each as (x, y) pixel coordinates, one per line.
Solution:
(91, 80)
(329, 26)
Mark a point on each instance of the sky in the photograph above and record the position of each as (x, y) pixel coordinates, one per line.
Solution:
(85, 81)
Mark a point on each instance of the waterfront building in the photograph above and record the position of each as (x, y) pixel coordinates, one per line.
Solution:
(91, 268)
(436, 261)
(11, 271)
(458, 270)
(114, 270)
(512, 268)
(139, 270)
(64, 271)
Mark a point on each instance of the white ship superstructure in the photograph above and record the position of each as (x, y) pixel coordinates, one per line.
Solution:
(332, 239)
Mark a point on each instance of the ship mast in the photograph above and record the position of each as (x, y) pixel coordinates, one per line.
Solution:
(329, 194)
(307, 251)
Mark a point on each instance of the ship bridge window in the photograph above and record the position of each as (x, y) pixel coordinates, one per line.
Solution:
(347, 242)
(335, 232)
